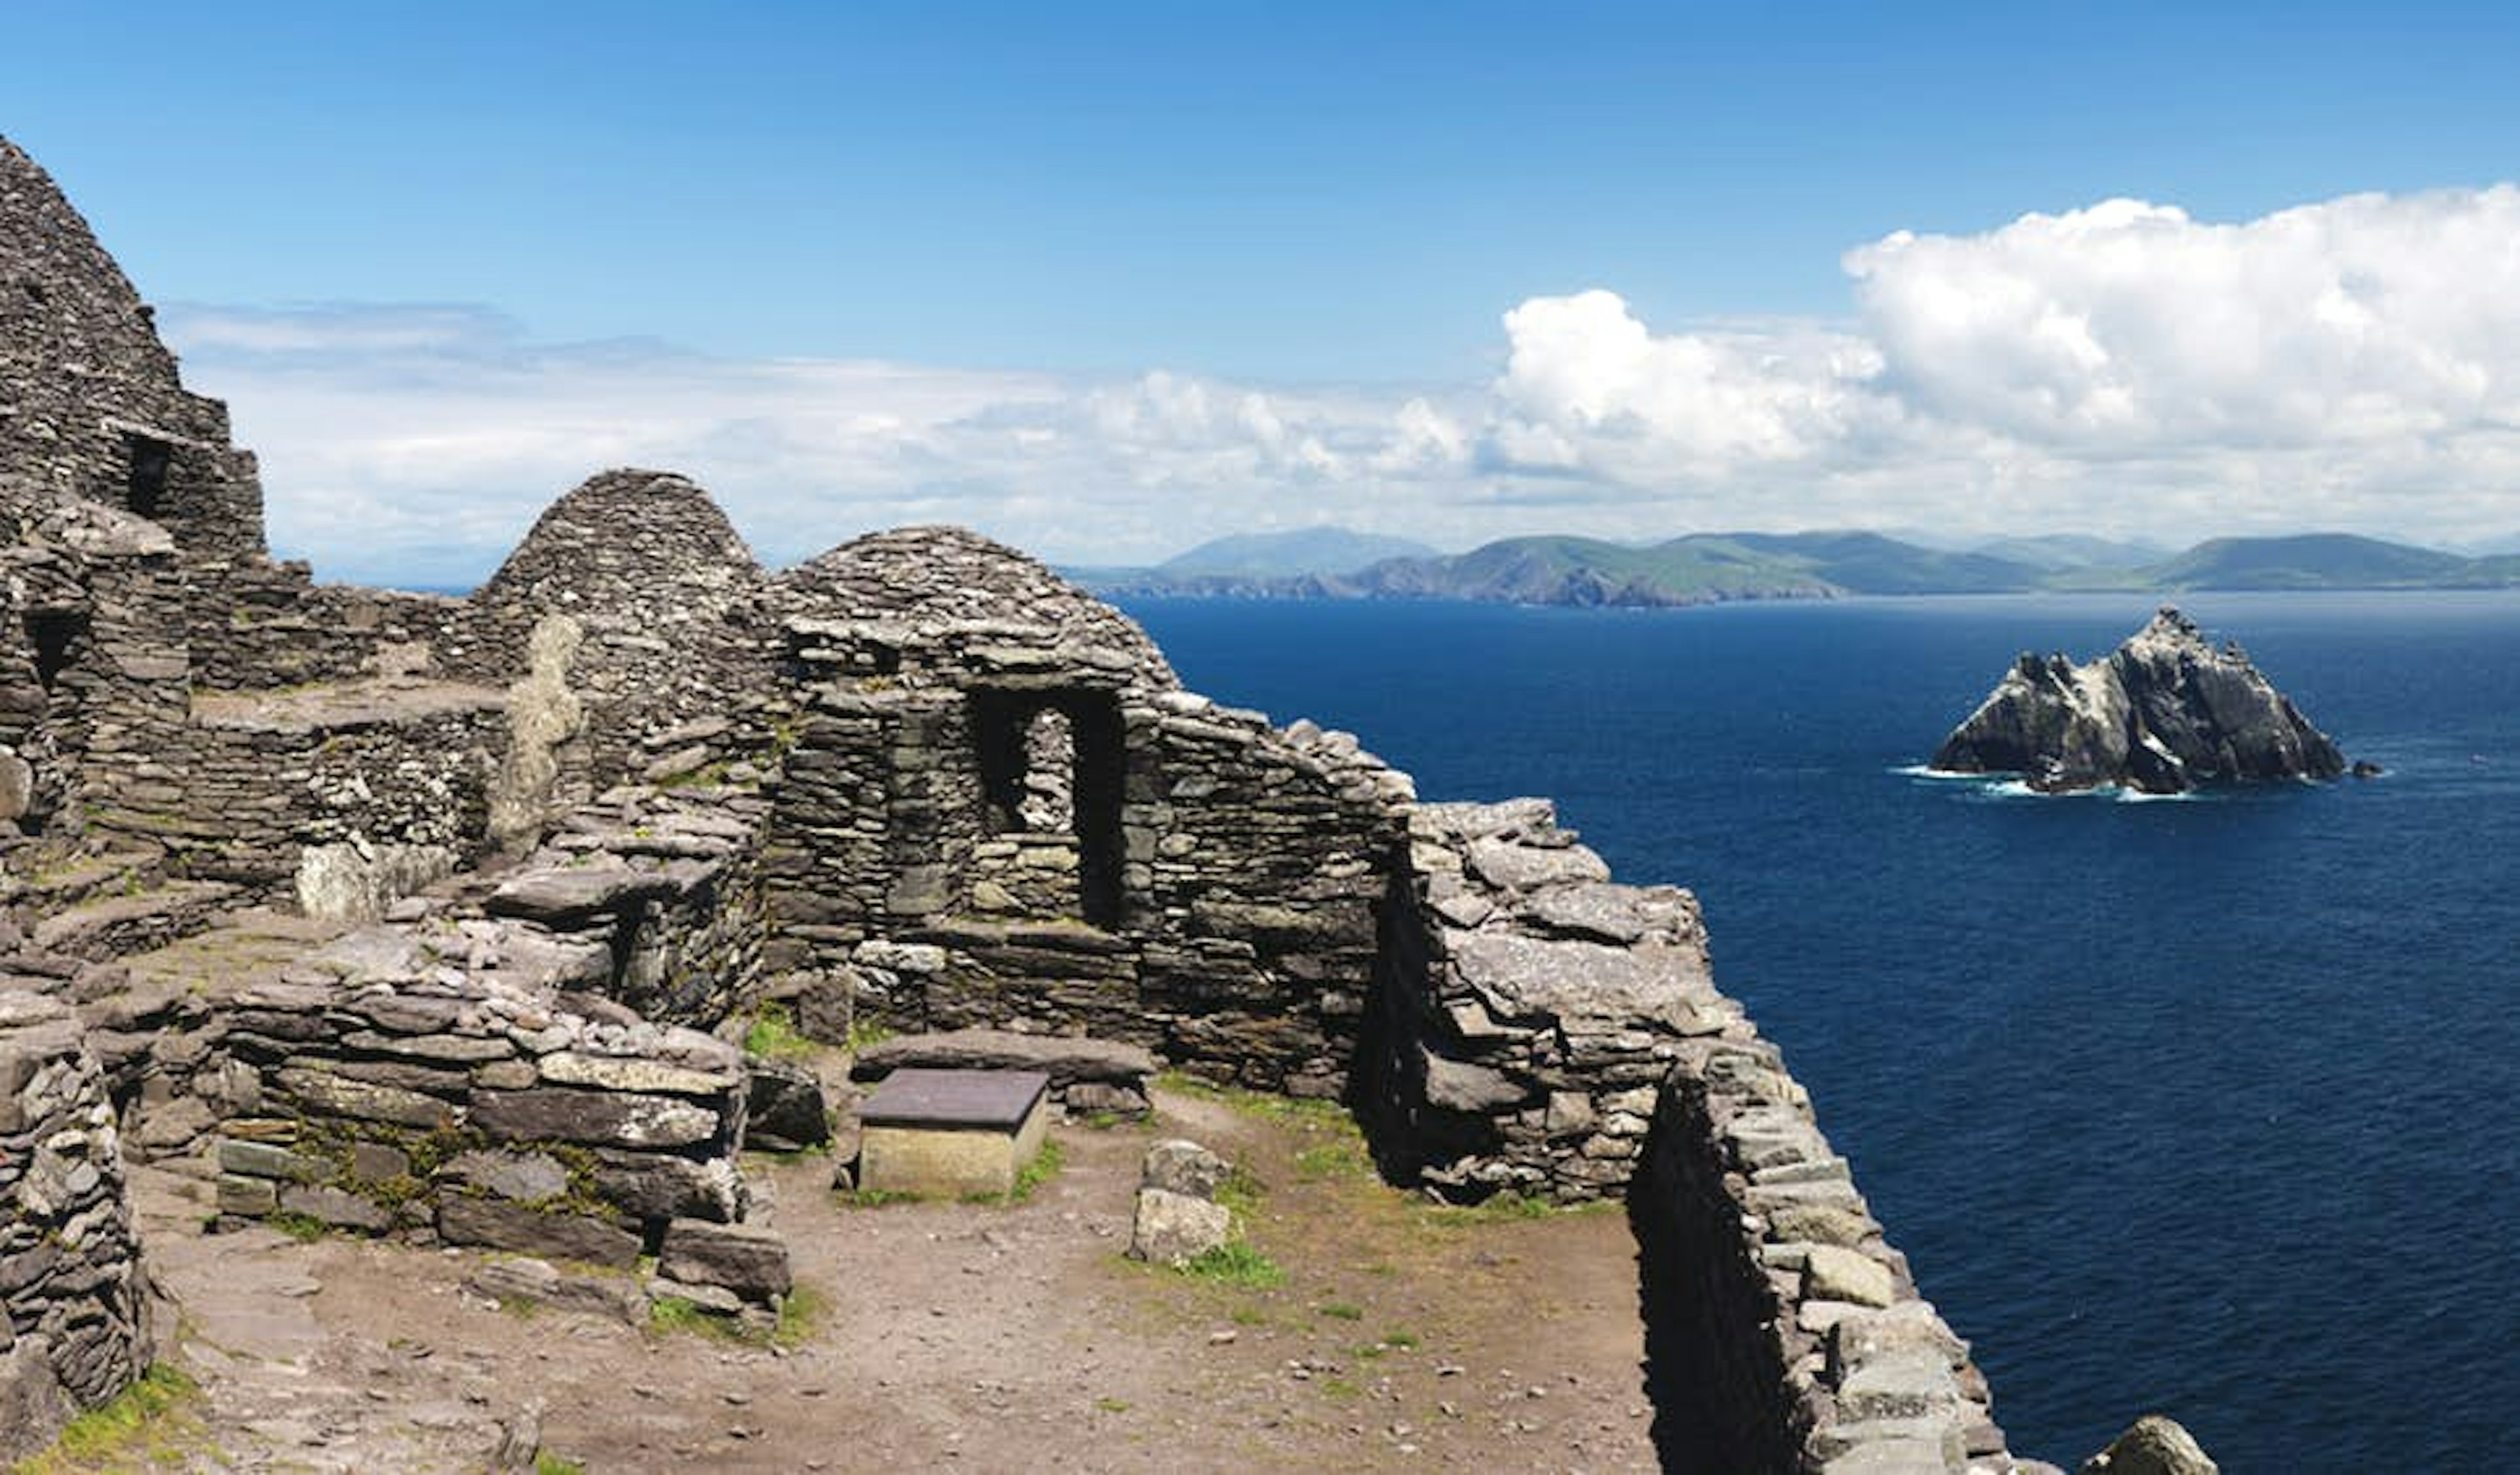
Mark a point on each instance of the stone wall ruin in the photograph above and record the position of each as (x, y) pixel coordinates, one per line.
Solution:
(75, 1304)
(636, 786)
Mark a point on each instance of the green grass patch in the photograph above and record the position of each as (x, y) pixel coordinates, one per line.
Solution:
(1402, 1338)
(1341, 1311)
(773, 1034)
(1342, 1387)
(1342, 1159)
(866, 1033)
(1241, 1192)
(1247, 1315)
(548, 1464)
(800, 1310)
(1267, 1105)
(673, 1314)
(1236, 1263)
(875, 1198)
(1111, 1404)
(799, 1313)
(305, 1229)
(150, 1424)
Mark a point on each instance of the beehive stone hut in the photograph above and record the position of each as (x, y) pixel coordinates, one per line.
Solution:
(543, 845)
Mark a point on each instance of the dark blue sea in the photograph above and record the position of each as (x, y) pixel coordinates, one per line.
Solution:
(2197, 1105)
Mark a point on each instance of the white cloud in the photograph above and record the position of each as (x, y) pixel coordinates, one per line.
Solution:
(2361, 320)
(2121, 368)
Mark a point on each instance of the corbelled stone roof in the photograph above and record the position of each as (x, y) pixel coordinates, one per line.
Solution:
(934, 584)
(627, 539)
(69, 308)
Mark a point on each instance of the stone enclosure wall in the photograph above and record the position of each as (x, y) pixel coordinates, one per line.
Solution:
(75, 1306)
(1783, 1332)
(919, 779)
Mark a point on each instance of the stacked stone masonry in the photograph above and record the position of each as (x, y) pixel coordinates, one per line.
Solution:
(572, 829)
(75, 1312)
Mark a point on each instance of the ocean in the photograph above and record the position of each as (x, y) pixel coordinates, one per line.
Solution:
(2199, 1105)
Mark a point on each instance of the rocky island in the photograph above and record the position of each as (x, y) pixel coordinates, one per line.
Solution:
(2165, 712)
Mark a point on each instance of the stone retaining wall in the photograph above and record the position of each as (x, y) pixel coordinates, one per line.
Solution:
(75, 1306)
(257, 623)
(1784, 1333)
(1527, 1009)
(379, 774)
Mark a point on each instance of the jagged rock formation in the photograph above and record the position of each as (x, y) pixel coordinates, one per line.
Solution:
(2163, 714)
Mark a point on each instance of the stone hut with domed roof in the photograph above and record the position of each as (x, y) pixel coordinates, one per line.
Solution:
(542, 838)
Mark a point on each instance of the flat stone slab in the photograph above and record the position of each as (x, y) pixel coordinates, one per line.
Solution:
(977, 1100)
(1065, 1059)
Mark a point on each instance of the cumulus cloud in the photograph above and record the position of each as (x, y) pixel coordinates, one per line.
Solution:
(2352, 364)
(2122, 368)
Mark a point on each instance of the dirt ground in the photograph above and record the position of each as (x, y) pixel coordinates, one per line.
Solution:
(956, 1335)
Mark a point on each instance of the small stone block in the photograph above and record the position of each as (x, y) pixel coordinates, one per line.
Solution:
(247, 1197)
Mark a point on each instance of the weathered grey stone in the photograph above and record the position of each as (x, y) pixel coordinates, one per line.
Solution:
(1908, 1384)
(1178, 1166)
(659, 1185)
(1901, 1328)
(1460, 1085)
(247, 1197)
(556, 1234)
(1064, 1059)
(627, 1073)
(1175, 1228)
(1833, 1272)
(572, 1114)
(334, 1205)
(1511, 866)
(785, 1111)
(333, 1094)
(525, 1177)
(2153, 1444)
(523, 1278)
(750, 1262)
(1522, 978)
(574, 896)
(266, 1159)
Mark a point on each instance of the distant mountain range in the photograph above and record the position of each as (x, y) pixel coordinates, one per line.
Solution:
(1330, 563)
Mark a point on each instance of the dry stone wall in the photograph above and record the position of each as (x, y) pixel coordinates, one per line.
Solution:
(1783, 1332)
(919, 776)
(75, 1305)
(1529, 1009)
(258, 624)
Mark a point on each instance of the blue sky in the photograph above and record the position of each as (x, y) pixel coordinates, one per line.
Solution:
(1055, 253)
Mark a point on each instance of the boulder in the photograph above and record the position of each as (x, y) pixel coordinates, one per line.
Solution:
(2152, 1444)
(2163, 714)
(1175, 1228)
(750, 1262)
(1180, 1167)
(786, 1112)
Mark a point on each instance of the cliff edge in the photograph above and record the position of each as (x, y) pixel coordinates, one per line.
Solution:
(2164, 712)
